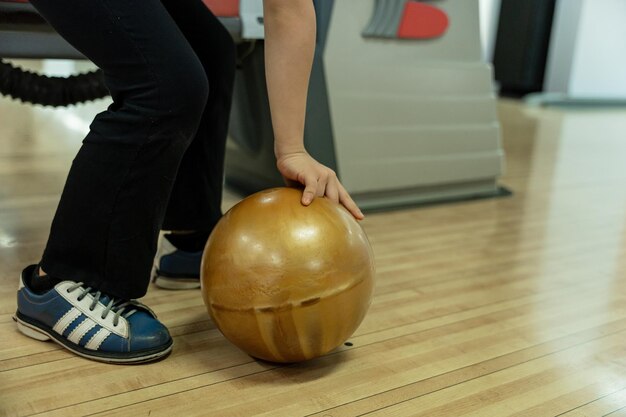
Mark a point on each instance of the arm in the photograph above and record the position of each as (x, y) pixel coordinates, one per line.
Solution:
(289, 47)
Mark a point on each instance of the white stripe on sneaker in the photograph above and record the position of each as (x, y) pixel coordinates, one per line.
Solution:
(81, 330)
(67, 319)
(97, 339)
(84, 303)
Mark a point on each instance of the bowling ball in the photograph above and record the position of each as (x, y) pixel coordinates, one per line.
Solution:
(285, 282)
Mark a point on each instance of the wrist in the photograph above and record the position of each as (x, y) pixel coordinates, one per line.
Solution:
(285, 150)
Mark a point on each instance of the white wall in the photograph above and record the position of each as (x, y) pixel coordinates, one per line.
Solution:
(562, 46)
(600, 60)
(587, 57)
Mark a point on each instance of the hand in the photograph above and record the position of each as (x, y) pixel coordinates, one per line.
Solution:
(318, 180)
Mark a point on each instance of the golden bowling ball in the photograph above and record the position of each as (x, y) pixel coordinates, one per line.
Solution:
(285, 282)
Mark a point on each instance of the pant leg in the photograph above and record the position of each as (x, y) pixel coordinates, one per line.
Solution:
(105, 229)
(195, 203)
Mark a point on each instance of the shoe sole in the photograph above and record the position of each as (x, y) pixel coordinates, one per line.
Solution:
(38, 331)
(176, 283)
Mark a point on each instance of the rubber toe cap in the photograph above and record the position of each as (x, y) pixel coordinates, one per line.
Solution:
(147, 332)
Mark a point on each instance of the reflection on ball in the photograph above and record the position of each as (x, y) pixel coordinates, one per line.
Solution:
(285, 282)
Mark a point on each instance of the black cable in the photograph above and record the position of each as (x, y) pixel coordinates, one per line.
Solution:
(31, 87)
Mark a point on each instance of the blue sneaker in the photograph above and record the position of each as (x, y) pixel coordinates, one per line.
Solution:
(91, 324)
(175, 269)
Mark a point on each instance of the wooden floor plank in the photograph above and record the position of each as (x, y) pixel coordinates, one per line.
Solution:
(603, 397)
(461, 375)
(436, 299)
(442, 345)
(500, 393)
(373, 379)
(509, 306)
(620, 412)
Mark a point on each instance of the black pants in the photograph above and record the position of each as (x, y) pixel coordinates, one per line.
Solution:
(154, 159)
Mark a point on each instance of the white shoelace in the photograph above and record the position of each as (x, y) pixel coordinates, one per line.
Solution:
(115, 306)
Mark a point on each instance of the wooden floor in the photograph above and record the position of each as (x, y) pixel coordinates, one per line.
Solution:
(512, 306)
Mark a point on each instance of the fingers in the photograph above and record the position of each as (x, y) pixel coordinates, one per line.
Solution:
(314, 186)
(332, 191)
(326, 179)
(330, 187)
(320, 183)
(348, 202)
(310, 189)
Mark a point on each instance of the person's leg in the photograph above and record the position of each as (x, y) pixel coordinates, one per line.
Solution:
(111, 210)
(195, 202)
(106, 226)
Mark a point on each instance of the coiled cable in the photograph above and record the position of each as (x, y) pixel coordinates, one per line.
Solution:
(30, 87)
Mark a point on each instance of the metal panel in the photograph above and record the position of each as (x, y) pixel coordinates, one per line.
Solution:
(415, 120)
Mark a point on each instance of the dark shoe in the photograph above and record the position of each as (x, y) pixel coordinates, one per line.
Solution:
(91, 324)
(175, 269)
